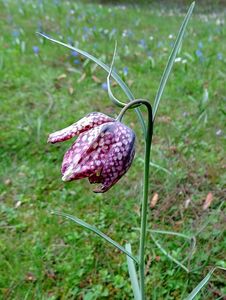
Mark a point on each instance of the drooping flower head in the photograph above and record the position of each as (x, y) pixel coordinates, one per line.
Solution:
(103, 151)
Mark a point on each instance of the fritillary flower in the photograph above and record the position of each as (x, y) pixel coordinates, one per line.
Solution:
(103, 151)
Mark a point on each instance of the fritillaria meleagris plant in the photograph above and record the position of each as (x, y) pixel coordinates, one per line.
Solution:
(104, 150)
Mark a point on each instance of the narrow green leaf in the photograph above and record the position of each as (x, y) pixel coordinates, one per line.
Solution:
(202, 283)
(168, 255)
(191, 239)
(171, 60)
(133, 274)
(110, 94)
(97, 231)
(172, 233)
(155, 166)
(160, 168)
(121, 83)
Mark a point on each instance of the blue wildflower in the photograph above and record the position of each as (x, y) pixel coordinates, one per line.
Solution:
(74, 53)
(76, 61)
(85, 29)
(219, 56)
(104, 86)
(36, 50)
(198, 53)
(15, 33)
(125, 71)
(142, 43)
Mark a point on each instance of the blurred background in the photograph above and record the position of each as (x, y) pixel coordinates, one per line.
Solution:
(46, 87)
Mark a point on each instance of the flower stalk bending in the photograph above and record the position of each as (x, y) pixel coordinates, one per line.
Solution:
(148, 140)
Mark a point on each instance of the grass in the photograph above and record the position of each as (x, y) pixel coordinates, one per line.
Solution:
(46, 257)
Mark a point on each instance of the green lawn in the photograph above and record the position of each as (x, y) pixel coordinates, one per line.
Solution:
(47, 88)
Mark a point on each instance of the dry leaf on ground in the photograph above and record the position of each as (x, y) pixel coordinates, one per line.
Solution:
(208, 201)
(154, 200)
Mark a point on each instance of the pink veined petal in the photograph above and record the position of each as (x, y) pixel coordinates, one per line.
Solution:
(87, 155)
(119, 158)
(90, 121)
(107, 183)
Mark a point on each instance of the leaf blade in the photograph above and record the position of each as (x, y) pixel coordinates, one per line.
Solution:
(171, 60)
(169, 255)
(133, 274)
(97, 231)
(202, 283)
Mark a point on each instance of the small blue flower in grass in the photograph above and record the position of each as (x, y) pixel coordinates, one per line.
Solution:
(74, 53)
(142, 43)
(125, 71)
(219, 56)
(86, 29)
(199, 54)
(76, 61)
(15, 33)
(36, 50)
(104, 86)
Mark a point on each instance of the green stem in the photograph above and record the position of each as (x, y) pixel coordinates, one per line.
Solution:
(148, 140)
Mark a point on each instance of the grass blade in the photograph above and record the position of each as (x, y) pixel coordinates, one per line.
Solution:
(171, 60)
(133, 275)
(97, 231)
(168, 255)
(160, 168)
(202, 283)
(156, 166)
(121, 83)
(172, 233)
